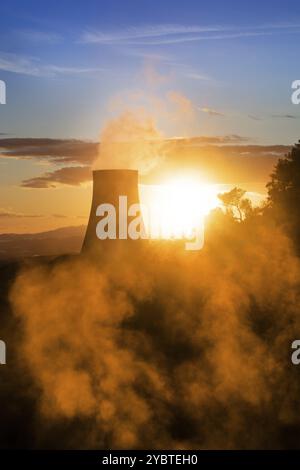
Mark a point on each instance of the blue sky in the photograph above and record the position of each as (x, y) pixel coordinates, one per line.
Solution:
(64, 63)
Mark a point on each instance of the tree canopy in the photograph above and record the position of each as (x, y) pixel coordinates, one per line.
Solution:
(284, 191)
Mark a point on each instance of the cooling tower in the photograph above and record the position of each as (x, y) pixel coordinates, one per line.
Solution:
(108, 186)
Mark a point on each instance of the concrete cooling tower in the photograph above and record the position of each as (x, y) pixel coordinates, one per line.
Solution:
(108, 186)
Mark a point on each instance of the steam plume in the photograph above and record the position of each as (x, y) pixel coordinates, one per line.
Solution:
(191, 347)
(130, 142)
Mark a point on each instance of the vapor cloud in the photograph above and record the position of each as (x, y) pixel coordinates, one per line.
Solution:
(196, 355)
(130, 141)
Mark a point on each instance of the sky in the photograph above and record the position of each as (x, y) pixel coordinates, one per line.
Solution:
(67, 68)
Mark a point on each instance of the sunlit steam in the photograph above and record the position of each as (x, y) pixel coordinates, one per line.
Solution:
(130, 141)
(167, 343)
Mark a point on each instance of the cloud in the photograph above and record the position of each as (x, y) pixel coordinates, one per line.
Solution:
(53, 150)
(225, 159)
(202, 140)
(7, 213)
(54, 70)
(17, 64)
(273, 116)
(222, 36)
(32, 66)
(228, 159)
(60, 216)
(176, 33)
(285, 116)
(73, 176)
(142, 32)
(254, 117)
(197, 76)
(212, 112)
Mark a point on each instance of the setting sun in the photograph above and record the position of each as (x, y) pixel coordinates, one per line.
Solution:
(177, 208)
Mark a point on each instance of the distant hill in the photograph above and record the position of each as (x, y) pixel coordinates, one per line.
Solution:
(55, 242)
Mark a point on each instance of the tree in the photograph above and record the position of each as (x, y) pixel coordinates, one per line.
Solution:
(284, 191)
(234, 199)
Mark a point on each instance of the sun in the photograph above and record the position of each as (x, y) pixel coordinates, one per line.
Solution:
(178, 207)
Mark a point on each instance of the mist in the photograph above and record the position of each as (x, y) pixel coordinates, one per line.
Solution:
(163, 348)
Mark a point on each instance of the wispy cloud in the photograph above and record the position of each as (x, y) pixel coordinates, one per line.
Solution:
(143, 32)
(32, 66)
(8, 213)
(212, 112)
(172, 34)
(232, 139)
(254, 117)
(197, 76)
(285, 116)
(17, 64)
(207, 37)
(59, 216)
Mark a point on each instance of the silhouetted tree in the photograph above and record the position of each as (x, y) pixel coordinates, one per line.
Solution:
(284, 191)
(234, 199)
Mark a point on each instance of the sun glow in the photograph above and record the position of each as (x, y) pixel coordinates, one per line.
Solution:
(176, 209)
